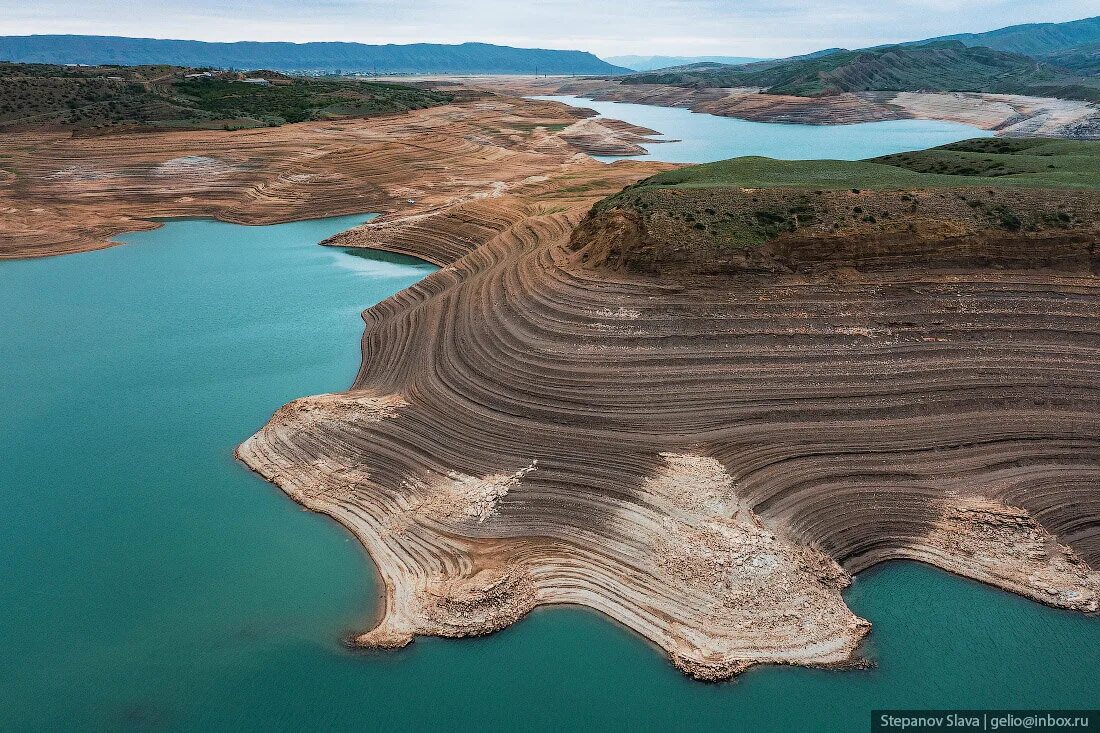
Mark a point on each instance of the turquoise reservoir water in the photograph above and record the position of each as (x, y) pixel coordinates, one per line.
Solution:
(703, 138)
(150, 582)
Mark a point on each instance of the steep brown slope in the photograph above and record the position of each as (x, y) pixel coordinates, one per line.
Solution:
(706, 456)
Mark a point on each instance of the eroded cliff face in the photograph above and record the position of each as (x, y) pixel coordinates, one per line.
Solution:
(563, 414)
(678, 234)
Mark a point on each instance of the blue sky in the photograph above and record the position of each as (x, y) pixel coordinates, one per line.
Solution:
(605, 27)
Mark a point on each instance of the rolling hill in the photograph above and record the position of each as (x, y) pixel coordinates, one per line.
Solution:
(938, 67)
(418, 58)
(1083, 59)
(98, 99)
(649, 63)
(1031, 39)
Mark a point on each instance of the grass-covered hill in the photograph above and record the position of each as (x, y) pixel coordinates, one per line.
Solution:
(100, 99)
(1083, 59)
(989, 161)
(1032, 39)
(941, 66)
(1000, 202)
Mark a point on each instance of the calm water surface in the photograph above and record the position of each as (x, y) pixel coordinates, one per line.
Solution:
(703, 138)
(150, 582)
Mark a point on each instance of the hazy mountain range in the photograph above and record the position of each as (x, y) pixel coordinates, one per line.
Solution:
(1031, 39)
(1072, 46)
(417, 58)
(1062, 60)
(648, 63)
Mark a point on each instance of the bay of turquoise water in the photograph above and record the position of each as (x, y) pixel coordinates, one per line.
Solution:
(150, 582)
(702, 138)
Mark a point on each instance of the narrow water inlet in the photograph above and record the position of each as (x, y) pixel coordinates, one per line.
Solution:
(701, 138)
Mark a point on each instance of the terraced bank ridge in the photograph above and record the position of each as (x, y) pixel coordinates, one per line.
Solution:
(703, 406)
(61, 193)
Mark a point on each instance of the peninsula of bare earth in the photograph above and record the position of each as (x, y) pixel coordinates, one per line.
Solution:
(697, 399)
(705, 403)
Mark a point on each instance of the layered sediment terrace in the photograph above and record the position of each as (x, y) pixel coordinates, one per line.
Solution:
(61, 193)
(706, 454)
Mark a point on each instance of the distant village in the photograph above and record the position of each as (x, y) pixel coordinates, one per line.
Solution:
(222, 75)
(277, 77)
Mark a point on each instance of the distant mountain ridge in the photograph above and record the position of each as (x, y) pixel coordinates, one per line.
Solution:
(1084, 59)
(1030, 39)
(648, 63)
(1037, 59)
(417, 58)
(941, 66)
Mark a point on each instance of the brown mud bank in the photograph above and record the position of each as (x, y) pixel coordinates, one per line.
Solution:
(60, 193)
(575, 411)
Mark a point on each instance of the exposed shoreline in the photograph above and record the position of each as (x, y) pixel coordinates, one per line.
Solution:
(1006, 114)
(71, 194)
(560, 472)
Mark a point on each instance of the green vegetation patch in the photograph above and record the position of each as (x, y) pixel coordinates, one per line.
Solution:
(298, 100)
(1000, 161)
(532, 126)
(101, 98)
(698, 217)
(987, 162)
(1083, 59)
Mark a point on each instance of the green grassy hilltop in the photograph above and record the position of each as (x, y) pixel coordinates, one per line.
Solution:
(1033, 162)
(702, 218)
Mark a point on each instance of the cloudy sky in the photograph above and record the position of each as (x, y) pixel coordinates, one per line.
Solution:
(605, 27)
